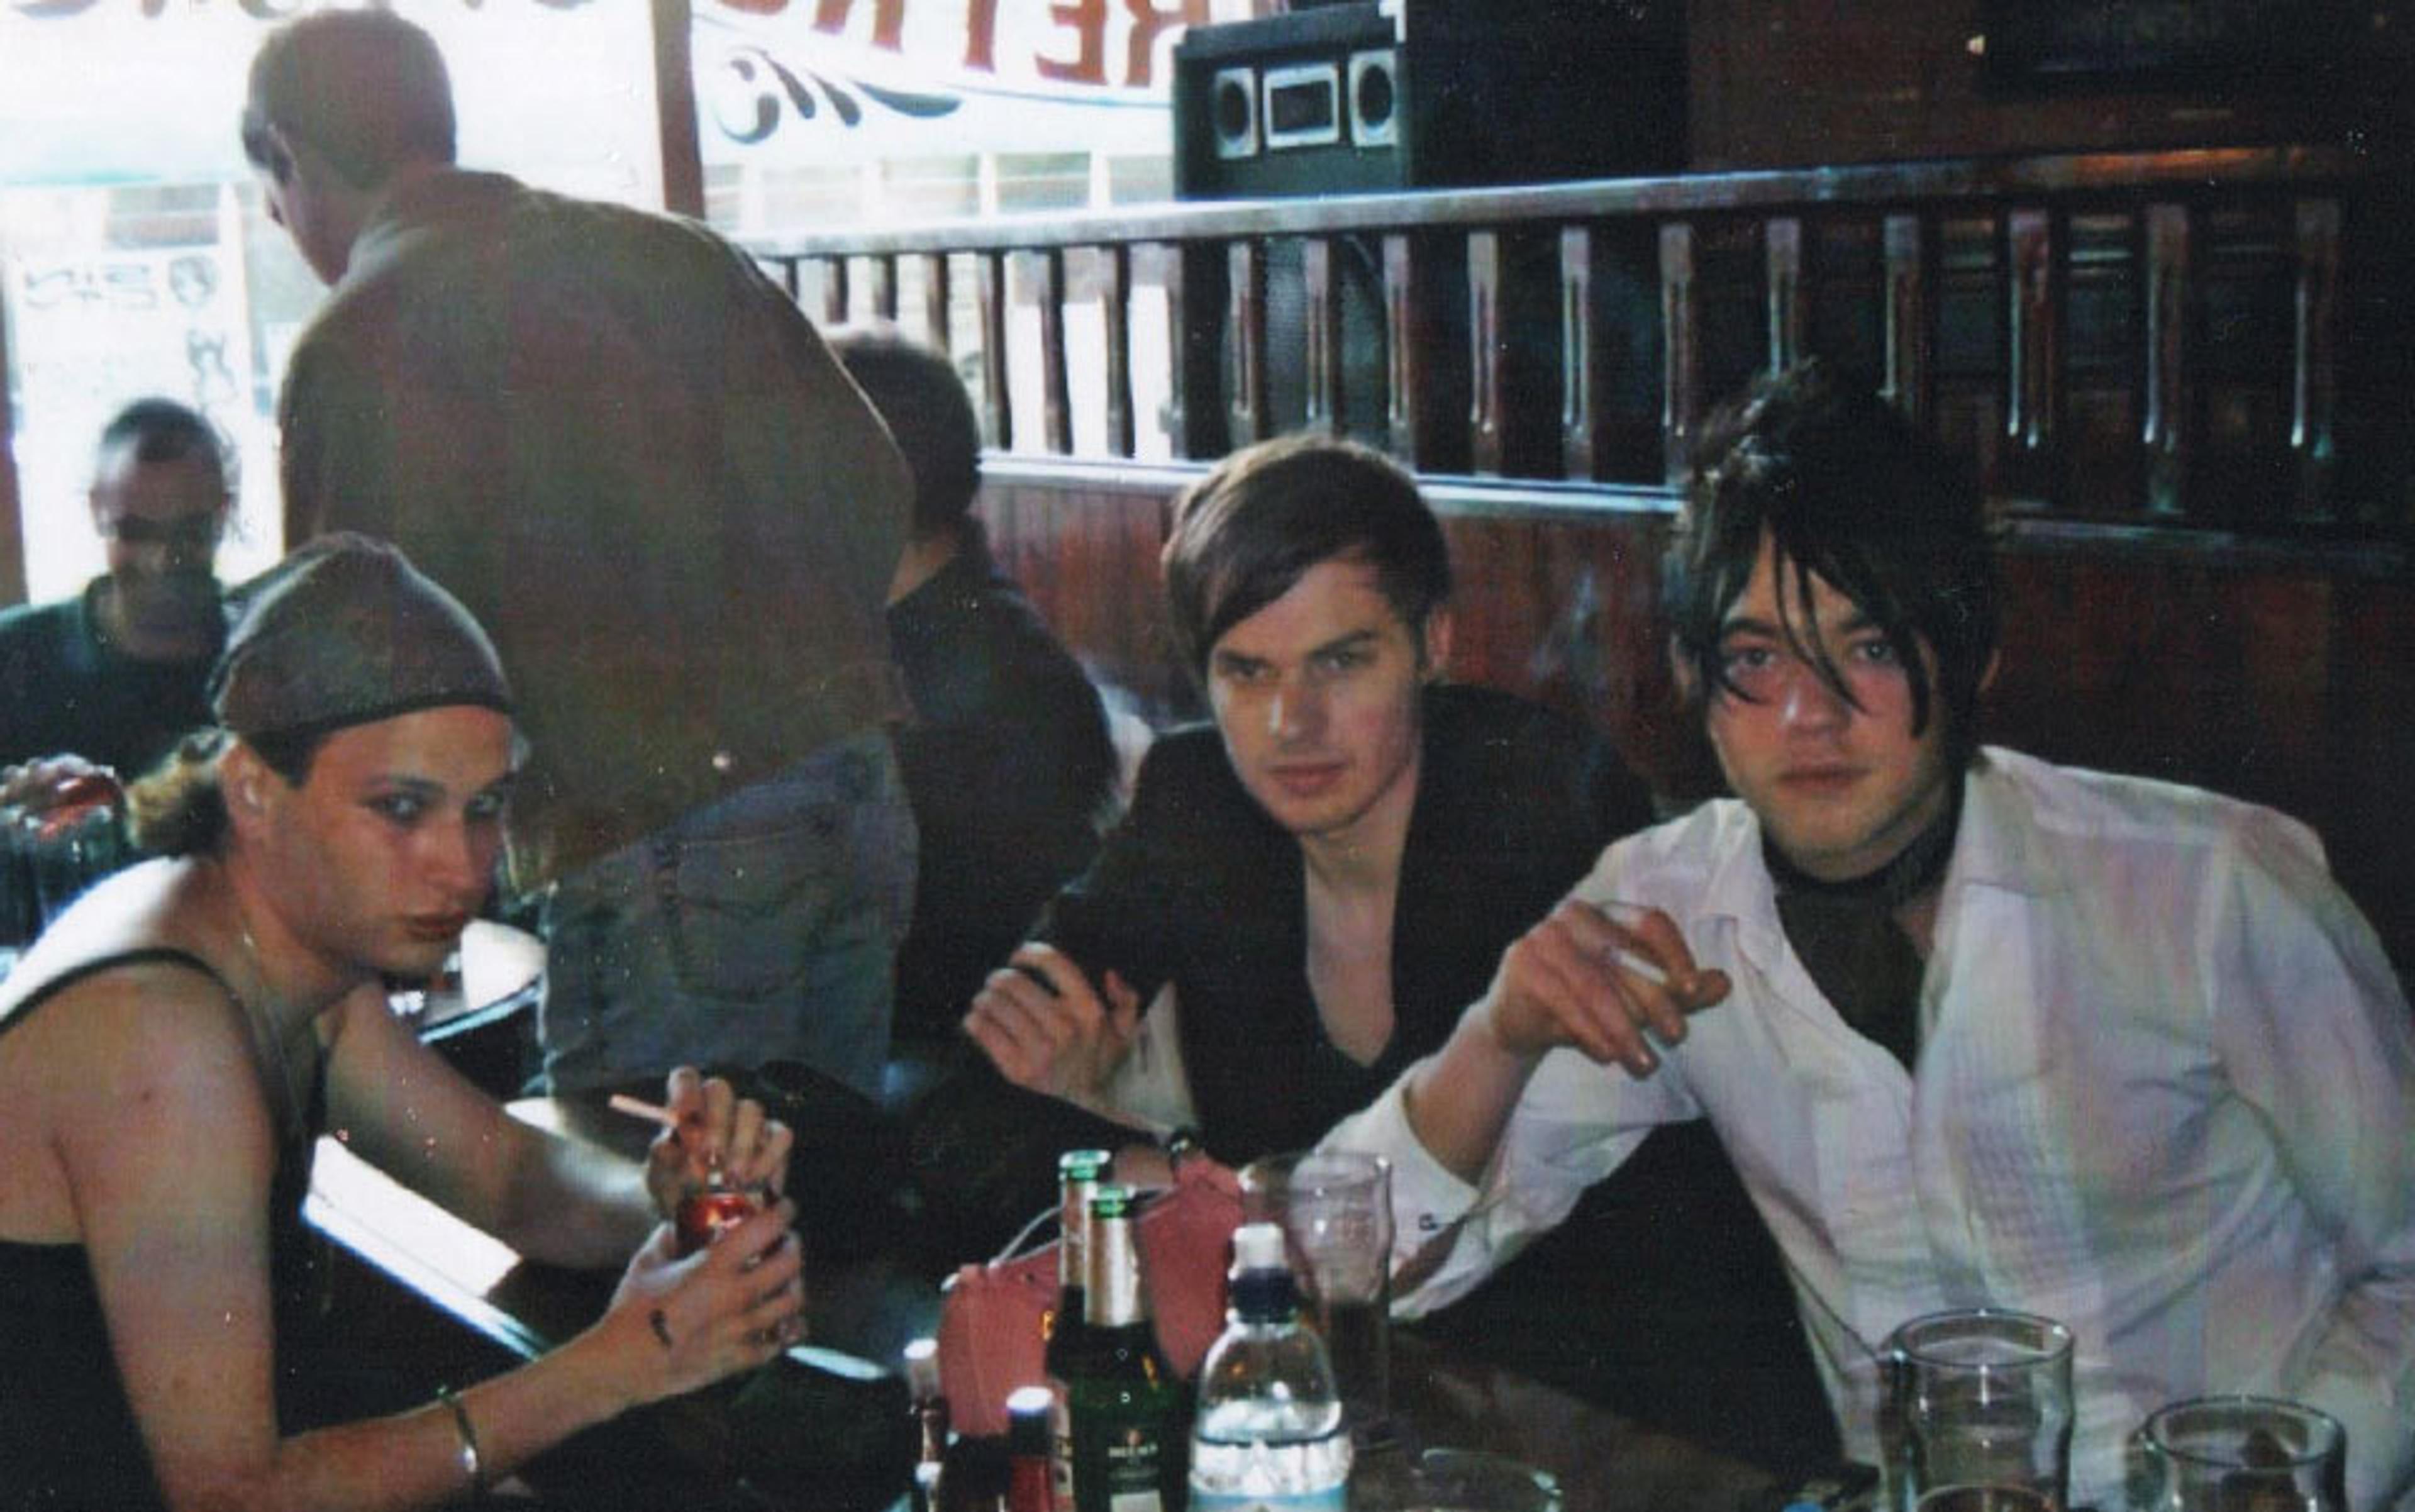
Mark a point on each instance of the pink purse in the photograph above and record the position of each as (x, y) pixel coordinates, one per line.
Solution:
(989, 1320)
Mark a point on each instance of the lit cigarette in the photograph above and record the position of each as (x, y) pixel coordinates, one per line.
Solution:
(639, 1108)
(1636, 966)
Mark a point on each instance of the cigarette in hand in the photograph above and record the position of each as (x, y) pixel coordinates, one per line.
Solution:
(1630, 916)
(1636, 966)
(639, 1108)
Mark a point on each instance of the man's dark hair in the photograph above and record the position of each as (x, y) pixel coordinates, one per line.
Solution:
(366, 89)
(162, 431)
(922, 401)
(1846, 490)
(1253, 527)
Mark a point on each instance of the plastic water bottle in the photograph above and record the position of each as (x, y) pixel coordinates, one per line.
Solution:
(1268, 1436)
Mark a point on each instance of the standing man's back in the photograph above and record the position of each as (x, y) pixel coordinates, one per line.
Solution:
(633, 458)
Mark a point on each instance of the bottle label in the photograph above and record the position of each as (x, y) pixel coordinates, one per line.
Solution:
(1329, 1500)
(1133, 1469)
(1127, 1463)
(1297, 1475)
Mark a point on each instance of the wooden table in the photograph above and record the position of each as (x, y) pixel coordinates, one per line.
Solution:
(862, 1314)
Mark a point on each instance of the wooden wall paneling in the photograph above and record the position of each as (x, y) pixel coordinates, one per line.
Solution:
(884, 287)
(1568, 615)
(1970, 360)
(1408, 358)
(937, 325)
(2101, 415)
(2167, 433)
(1484, 340)
(1055, 388)
(2183, 669)
(1909, 316)
(1681, 384)
(1607, 370)
(2064, 668)
(1843, 294)
(1814, 81)
(1086, 556)
(1730, 282)
(1781, 240)
(2373, 739)
(2375, 484)
(1321, 334)
(1427, 374)
(2315, 367)
(1583, 341)
(835, 290)
(2034, 349)
(1114, 309)
(1194, 308)
(1528, 365)
(1248, 416)
(2284, 685)
(989, 295)
(2245, 473)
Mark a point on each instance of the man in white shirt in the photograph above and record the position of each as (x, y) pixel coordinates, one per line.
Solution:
(1973, 1027)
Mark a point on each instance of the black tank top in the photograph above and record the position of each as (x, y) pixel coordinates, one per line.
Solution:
(68, 1437)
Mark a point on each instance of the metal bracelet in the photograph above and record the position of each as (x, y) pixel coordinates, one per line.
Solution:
(470, 1464)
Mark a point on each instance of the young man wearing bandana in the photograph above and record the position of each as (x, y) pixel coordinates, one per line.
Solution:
(1974, 1028)
(175, 1044)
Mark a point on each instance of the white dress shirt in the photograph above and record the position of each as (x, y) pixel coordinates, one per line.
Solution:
(2165, 1094)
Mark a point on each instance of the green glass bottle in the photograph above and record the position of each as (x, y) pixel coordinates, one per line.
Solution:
(1130, 1411)
(1066, 1328)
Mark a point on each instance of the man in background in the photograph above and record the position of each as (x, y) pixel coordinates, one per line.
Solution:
(630, 456)
(114, 675)
(1007, 762)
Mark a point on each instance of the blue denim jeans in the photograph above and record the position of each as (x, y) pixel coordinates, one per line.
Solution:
(761, 927)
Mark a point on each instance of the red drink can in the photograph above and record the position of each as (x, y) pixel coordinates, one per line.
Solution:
(707, 1212)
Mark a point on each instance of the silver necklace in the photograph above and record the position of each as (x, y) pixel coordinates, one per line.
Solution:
(264, 1020)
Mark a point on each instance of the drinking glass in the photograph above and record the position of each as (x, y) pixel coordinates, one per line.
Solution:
(65, 854)
(1335, 1208)
(2241, 1454)
(1978, 1416)
(1471, 1481)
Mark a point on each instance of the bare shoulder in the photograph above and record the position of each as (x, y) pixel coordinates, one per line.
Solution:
(142, 1067)
(147, 1029)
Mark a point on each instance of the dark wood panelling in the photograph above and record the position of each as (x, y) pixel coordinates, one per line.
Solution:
(1789, 81)
(2278, 676)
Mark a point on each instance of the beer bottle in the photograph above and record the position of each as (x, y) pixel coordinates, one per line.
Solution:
(1128, 1407)
(1066, 1328)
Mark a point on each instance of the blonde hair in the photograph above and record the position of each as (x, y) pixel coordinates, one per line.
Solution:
(178, 808)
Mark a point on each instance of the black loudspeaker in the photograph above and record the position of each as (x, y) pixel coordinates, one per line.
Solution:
(1426, 94)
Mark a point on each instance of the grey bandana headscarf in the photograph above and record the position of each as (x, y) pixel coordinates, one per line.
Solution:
(344, 632)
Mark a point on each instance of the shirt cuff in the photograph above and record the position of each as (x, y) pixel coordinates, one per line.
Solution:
(1428, 1200)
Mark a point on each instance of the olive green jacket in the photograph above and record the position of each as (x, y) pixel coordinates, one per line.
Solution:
(629, 454)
